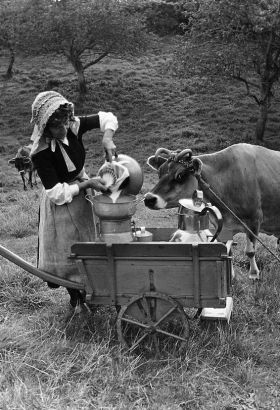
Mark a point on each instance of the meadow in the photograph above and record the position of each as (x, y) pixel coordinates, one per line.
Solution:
(50, 360)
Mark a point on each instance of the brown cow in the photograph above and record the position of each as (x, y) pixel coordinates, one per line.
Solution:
(246, 177)
(23, 164)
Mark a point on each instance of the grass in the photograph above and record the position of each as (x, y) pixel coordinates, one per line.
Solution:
(50, 359)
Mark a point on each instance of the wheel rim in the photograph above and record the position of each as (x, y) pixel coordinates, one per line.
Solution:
(154, 323)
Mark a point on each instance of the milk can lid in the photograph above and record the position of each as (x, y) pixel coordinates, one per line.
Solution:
(189, 204)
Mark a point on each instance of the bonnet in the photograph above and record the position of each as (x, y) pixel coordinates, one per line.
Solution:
(44, 105)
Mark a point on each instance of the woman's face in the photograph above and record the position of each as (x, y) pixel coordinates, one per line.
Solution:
(59, 131)
(58, 125)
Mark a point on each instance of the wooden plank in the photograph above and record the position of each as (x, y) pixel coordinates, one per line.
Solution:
(85, 277)
(175, 277)
(208, 278)
(88, 248)
(111, 273)
(204, 302)
(196, 274)
(215, 249)
(152, 249)
(140, 258)
(151, 258)
(99, 276)
(220, 281)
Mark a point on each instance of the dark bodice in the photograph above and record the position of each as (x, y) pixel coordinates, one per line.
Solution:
(51, 166)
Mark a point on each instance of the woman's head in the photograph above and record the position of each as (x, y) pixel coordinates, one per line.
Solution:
(45, 105)
(50, 108)
(59, 121)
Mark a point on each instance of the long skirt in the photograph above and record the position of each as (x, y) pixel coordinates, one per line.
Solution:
(59, 227)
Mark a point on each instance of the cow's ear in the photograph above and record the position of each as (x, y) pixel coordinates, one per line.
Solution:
(155, 162)
(197, 164)
(12, 161)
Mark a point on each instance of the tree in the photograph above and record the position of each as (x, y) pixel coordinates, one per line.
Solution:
(10, 12)
(236, 38)
(84, 33)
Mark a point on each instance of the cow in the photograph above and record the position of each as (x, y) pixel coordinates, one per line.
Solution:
(23, 164)
(245, 177)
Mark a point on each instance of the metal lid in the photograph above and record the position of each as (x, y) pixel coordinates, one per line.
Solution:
(189, 204)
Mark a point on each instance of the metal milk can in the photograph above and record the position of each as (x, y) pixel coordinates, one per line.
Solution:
(193, 217)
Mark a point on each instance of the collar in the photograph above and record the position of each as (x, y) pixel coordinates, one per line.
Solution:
(54, 141)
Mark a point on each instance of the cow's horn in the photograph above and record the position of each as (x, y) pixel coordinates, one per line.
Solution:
(183, 153)
(162, 151)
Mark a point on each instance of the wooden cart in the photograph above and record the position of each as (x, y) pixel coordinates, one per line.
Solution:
(152, 284)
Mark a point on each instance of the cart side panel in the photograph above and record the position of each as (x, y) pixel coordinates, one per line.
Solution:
(211, 279)
(172, 278)
(194, 274)
(153, 266)
(213, 268)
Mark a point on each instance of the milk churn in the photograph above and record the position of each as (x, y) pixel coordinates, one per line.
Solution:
(193, 217)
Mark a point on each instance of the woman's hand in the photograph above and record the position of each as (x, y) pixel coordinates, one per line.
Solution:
(108, 144)
(96, 183)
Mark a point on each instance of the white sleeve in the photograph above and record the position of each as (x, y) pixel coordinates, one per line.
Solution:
(108, 121)
(62, 194)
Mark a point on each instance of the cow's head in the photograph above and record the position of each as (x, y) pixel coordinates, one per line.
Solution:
(177, 172)
(22, 160)
(22, 164)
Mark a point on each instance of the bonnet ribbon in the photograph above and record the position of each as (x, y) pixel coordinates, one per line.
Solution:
(70, 166)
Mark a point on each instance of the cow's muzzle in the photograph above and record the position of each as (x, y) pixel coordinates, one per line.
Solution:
(150, 201)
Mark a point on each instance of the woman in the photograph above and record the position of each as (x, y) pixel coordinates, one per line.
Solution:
(58, 155)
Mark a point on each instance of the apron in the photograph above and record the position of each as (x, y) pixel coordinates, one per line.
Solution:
(59, 227)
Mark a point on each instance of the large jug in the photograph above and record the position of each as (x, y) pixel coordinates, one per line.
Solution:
(193, 217)
(127, 174)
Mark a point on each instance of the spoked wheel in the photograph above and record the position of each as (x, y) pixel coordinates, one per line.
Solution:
(152, 322)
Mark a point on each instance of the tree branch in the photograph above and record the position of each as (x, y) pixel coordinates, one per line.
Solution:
(90, 63)
(247, 84)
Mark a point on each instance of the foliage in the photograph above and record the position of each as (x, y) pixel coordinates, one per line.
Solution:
(239, 39)
(162, 17)
(85, 34)
(10, 12)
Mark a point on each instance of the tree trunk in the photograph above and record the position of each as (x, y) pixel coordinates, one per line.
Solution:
(9, 72)
(264, 108)
(261, 123)
(78, 66)
(82, 82)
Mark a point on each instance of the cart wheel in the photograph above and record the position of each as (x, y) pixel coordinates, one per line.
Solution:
(152, 322)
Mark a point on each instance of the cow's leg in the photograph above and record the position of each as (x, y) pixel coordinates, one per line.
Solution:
(30, 179)
(34, 177)
(254, 272)
(23, 180)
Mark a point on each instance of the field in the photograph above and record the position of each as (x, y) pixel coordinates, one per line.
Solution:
(51, 360)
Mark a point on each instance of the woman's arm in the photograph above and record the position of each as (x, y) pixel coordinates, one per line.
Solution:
(58, 192)
(102, 120)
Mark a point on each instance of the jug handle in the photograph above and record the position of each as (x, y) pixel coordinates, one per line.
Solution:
(217, 214)
(115, 156)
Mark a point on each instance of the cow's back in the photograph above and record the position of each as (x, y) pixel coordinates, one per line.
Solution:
(247, 177)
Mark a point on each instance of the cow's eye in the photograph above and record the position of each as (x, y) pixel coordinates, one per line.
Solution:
(180, 177)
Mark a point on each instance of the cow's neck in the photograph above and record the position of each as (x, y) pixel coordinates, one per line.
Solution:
(210, 177)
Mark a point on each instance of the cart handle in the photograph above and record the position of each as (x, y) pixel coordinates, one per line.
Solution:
(47, 277)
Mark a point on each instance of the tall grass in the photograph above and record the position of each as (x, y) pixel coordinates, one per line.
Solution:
(52, 359)
(19, 216)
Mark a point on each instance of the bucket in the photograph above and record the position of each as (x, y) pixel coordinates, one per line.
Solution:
(106, 209)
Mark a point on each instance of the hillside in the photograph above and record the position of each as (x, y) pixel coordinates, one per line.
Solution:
(154, 108)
